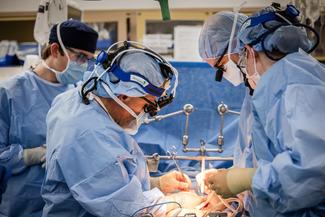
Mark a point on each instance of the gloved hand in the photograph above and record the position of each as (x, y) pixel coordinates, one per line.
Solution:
(171, 182)
(200, 179)
(32, 156)
(229, 182)
(187, 200)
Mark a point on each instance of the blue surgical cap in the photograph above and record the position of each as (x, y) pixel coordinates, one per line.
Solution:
(135, 61)
(75, 34)
(215, 34)
(286, 39)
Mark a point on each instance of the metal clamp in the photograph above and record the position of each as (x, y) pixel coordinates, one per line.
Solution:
(153, 162)
(187, 110)
(222, 110)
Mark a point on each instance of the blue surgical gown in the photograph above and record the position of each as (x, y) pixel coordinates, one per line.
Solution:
(93, 167)
(243, 153)
(24, 103)
(289, 139)
(4, 175)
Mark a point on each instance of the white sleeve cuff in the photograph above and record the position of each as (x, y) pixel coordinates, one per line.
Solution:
(155, 196)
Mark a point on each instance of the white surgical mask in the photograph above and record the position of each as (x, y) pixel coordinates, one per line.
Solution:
(134, 125)
(232, 73)
(254, 78)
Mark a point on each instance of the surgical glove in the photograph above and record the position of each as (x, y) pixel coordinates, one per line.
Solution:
(32, 156)
(171, 182)
(200, 180)
(187, 200)
(230, 182)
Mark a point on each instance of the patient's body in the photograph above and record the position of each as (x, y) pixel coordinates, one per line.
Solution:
(202, 205)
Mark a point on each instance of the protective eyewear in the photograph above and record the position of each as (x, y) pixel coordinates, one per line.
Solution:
(110, 61)
(242, 62)
(80, 57)
(220, 68)
(152, 108)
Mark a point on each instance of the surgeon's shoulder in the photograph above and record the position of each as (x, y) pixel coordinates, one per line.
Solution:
(63, 109)
(88, 134)
(303, 69)
(99, 128)
(16, 83)
(66, 97)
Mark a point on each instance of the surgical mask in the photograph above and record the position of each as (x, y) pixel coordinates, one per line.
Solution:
(74, 71)
(254, 78)
(135, 124)
(71, 75)
(232, 73)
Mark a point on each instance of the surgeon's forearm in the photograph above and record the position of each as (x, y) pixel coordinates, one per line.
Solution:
(154, 182)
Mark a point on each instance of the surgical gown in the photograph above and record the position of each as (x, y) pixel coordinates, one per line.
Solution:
(4, 175)
(289, 139)
(93, 167)
(24, 103)
(243, 154)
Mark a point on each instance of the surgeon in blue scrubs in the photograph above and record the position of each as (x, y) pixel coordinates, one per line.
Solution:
(218, 33)
(217, 45)
(288, 118)
(24, 103)
(214, 42)
(94, 165)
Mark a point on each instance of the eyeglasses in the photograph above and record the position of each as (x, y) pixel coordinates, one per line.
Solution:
(80, 57)
(220, 68)
(242, 62)
(151, 108)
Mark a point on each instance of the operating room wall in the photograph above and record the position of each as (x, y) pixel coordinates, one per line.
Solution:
(20, 31)
(32, 5)
(197, 87)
